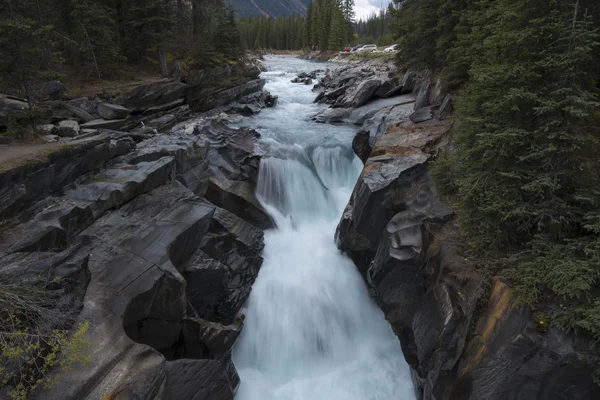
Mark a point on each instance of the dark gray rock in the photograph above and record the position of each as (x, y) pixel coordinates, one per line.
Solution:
(446, 108)
(77, 112)
(508, 358)
(21, 186)
(9, 106)
(182, 381)
(67, 128)
(85, 104)
(360, 95)
(233, 171)
(114, 124)
(392, 181)
(165, 107)
(112, 111)
(332, 115)
(422, 114)
(151, 95)
(50, 90)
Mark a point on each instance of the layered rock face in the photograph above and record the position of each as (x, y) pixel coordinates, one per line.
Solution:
(124, 224)
(461, 331)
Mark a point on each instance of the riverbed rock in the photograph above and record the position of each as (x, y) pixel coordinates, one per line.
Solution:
(360, 95)
(388, 184)
(130, 218)
(112, 111)
(234, 158)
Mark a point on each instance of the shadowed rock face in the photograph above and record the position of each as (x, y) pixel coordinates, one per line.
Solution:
(157, 271)
(394, 179)
(408, 246)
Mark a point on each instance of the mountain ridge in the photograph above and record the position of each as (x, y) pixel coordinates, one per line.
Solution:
(270, 8)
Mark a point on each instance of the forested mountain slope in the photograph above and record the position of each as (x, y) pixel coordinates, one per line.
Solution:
(273, 8)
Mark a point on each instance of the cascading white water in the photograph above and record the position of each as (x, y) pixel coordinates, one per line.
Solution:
(312, 332)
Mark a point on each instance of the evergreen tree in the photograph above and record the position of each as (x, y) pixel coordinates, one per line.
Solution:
(526, 169)
(338, 32)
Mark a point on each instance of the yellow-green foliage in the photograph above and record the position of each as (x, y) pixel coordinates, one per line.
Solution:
(33, 353)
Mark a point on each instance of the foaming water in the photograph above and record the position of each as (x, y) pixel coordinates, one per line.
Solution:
(311, 331)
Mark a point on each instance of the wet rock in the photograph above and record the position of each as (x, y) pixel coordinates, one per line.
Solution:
(221, 274)
(332, 115)
(390, 182)
(67, 128)
(234, 159)
(112, 111)
(182, 380)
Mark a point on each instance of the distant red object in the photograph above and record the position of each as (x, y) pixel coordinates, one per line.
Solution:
(347, 49)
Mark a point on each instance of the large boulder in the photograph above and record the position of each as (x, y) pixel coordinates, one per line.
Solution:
(234, 158)
(68, 128)
(360, 95)
(50, 90)
(9, 106)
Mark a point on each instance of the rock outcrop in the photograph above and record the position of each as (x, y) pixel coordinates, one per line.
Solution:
(157, 270)
(354, 85)
(461, 343)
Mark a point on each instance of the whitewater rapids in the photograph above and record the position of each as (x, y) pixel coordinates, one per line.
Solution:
(311, 331)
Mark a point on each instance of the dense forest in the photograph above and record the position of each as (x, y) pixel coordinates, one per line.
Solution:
(328, 25)
(272, 8)
(524, 174)
(101, 39)
(375, 29)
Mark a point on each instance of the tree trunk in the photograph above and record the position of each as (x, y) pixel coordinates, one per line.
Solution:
(162, 61)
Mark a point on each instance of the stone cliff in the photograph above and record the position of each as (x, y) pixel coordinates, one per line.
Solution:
(461, 330)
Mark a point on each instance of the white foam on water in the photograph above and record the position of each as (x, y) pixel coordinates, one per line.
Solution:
(311, 331)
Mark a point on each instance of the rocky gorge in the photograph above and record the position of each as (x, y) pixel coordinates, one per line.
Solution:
(154, 230)
(462, 331)
(152, 239)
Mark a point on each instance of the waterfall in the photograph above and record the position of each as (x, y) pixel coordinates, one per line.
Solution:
(311, 331)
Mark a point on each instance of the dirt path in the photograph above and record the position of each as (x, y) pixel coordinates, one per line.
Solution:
(15, 152)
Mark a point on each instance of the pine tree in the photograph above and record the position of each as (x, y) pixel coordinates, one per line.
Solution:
(338, 31)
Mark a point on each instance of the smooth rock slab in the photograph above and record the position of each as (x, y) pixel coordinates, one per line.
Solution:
(114, 124)
(112, 111)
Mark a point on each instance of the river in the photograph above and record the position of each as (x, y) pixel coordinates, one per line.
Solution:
(311, 331)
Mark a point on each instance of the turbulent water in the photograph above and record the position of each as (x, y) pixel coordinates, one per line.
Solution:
(311, 332)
